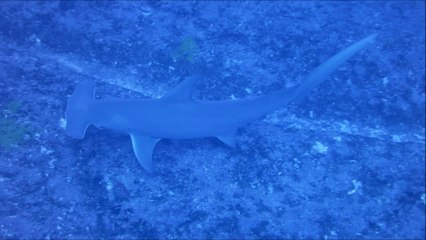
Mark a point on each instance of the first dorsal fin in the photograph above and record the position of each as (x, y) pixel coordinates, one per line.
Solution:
(182, 92)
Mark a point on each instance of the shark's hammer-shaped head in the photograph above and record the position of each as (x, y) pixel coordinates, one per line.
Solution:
(76, 114)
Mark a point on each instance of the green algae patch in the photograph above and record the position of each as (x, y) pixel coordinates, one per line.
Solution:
(13, 106)
(11, 132)
(187, 50)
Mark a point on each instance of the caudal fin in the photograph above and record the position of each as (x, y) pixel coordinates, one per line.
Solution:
(322, 72)
(78, 108)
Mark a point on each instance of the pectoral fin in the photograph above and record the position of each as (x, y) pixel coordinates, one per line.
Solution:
(228, 140)
(143, 147)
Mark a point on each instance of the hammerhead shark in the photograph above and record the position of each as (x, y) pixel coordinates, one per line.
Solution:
(178, 116)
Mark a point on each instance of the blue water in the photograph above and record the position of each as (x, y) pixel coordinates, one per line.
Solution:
(346, 162)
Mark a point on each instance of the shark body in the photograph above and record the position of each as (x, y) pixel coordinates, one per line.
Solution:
(178, 116)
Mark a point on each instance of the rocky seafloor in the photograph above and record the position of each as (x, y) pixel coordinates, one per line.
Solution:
(348, 162)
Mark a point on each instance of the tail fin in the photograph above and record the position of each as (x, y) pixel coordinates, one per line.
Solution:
(324, 70)
(78, 107)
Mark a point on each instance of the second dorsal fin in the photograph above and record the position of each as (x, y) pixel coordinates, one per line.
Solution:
(182, 92)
